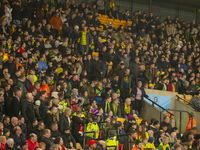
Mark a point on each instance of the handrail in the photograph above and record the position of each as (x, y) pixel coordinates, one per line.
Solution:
(161, 107)
(194, 107)
(181, 111)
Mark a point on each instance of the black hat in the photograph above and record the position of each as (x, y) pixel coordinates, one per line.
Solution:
(156, 122)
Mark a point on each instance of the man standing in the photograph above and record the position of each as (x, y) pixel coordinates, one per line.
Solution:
(46, 138)
(126, 84)
(65, 121)
(85, 41)
(15, 107)
(28, 109)
(149, 74)
(1, 103)
(56, 23)
(42, 65)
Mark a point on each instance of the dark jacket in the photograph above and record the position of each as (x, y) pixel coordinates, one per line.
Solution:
(118, 110)
(47, 141)
(64, 122)
(11, 66)
(103, 105)
(18, 140)
(28, 111)
(55, 134)
(149, 76)
(67, 139)
(8, 148)
(134, 69)
(28, 84)
(1, 110)
(49, 119)
(76, 125)
(97, 68)
(169, 127)
(16, 13)
(15, 107)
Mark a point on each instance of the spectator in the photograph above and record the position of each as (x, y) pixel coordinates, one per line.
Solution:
(32, 141)
(167, 123)
(68, 138)
(65, 120)
(139, 93)
(76, 126)
(54, 131)
(10, 144)
(28, 110)
(138, 145)
(56, 24)
(46, 138)
(85, 41)
(15, 106)
(101, 6)
(18, 136)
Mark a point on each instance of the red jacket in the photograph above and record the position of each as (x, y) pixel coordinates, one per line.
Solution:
(170, 88)
(31, 146)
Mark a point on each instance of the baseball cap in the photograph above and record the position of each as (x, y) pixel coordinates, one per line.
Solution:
(91, 142)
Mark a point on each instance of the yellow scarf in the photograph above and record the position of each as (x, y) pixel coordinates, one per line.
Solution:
(173, 88)
(115, 109)
(127, 109)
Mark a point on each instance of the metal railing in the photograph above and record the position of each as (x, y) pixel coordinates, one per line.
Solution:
(162, 108)
(192, 105)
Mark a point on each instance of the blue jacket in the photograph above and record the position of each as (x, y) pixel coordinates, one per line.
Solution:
(28, 84)
(184, 66)
(98, 99)
(42, 65)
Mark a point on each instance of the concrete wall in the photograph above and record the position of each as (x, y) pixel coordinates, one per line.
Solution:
(148, 112)
(181, 106)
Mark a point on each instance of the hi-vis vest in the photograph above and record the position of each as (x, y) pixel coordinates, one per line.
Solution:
(93, 126)
(112, 141)
(189, 124)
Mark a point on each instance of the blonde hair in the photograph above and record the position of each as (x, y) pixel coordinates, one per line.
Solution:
(173, 136)
(150, 132)
(102, 142)
(2, 138)
(57, 146)
(139, 82)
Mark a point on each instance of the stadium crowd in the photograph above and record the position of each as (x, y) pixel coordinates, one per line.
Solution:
(64, 80)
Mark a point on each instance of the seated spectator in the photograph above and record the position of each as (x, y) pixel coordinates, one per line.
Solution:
(54, 131)
(46, 138)
(32, 141)
(10, 144)
(68, 138)
(18, 136)
(164, 144)
(167, 123)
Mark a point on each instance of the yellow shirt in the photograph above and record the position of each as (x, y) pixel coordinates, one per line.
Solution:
(83, 39)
